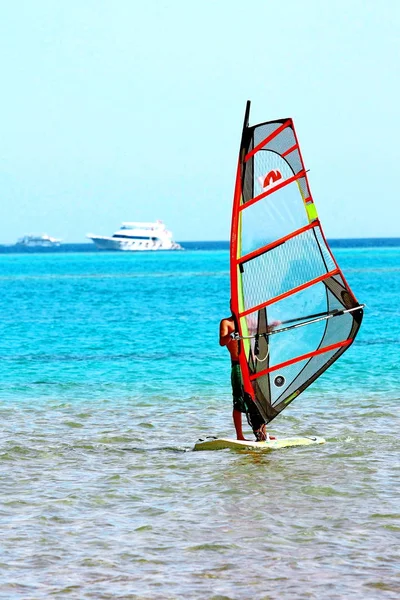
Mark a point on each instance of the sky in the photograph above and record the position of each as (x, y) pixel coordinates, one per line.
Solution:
(119, 110)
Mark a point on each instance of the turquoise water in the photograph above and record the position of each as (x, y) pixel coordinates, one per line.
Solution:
(110, 370)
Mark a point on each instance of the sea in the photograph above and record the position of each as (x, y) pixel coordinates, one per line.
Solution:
(111, 370)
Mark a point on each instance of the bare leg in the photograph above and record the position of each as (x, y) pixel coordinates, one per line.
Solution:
(261, 433)
(237, 421)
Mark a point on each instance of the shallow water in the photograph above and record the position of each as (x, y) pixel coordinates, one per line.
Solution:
(110, 370)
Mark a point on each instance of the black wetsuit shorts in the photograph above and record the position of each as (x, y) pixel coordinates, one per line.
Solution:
(237, 390)
(244, 403)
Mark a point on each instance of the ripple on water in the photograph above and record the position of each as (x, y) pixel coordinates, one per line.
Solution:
(103, 498)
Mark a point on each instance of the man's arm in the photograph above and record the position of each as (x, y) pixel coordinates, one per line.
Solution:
(224, 333)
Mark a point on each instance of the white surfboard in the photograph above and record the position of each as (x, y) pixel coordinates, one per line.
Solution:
(272, 444)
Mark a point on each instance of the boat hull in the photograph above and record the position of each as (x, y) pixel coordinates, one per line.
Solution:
(126, 245)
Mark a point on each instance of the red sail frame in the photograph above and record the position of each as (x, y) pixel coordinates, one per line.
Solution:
(236, 261)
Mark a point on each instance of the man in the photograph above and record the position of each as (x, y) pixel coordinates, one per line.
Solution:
(242, 403)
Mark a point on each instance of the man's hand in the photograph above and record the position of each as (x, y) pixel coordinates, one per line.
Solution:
(273, 324)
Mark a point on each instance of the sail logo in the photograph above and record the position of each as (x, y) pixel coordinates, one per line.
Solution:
(272, 178)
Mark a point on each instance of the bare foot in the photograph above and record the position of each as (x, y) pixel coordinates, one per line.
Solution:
(242, 439)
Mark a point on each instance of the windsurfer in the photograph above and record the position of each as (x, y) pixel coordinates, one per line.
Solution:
(242, 402)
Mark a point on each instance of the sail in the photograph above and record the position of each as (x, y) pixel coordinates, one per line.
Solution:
(296, 313)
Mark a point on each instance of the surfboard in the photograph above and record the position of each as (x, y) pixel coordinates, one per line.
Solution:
(275, 444)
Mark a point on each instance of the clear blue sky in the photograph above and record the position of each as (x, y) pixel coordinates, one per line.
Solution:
(124, 110)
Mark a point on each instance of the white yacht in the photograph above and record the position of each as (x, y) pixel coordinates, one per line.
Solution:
(42, 240)
(137, 236)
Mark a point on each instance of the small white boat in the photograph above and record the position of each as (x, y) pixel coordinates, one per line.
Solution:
(137, 236)
(34, 241)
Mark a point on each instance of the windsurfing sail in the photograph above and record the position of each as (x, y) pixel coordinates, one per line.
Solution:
(296, 313)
